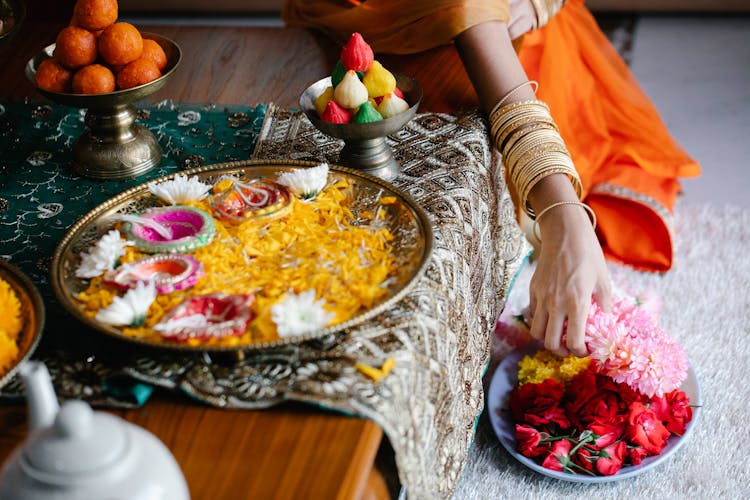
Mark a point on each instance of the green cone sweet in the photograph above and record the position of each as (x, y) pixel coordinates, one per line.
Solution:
(367, 113)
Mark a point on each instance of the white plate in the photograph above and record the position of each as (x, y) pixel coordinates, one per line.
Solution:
(505, 379)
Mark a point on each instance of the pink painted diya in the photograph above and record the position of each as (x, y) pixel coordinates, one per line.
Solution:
(256, 198)
(167, 272)
(174, 229)
(207, 316)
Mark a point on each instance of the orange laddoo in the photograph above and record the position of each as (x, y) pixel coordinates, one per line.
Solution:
(95, 14)
(153, 51)
(93, 79)
(75, 47)
(120, 43)
(53, 76)
(138, 72)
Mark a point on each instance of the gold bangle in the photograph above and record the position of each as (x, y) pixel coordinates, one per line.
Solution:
(503, 125)
(535, 227)
(516, 135)
(533, 83)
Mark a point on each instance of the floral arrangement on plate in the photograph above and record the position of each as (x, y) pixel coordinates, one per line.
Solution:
(11, 324)
(238, 261)
(597, 415)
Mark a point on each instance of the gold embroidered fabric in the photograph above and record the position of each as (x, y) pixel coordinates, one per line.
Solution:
(440, 334)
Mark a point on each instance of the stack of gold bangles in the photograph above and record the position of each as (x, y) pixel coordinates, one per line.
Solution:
(532, 148)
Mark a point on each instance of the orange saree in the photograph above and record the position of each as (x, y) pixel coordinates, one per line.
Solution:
(628, 163)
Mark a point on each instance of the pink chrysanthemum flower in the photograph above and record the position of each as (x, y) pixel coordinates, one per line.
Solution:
(627, 345)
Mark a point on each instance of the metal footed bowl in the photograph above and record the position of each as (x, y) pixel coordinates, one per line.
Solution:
(12, 14)
(365, 148)
(32, 314)
(409, 224)
(114, 147)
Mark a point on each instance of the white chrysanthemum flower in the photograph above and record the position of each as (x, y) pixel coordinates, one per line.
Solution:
(298, 314)
(101, 258)
(131, 309)
(306, 182)
(180, 190)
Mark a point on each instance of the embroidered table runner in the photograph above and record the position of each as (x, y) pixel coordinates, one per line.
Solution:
(438, 335)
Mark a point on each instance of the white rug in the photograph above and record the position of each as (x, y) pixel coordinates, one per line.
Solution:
(707, 308)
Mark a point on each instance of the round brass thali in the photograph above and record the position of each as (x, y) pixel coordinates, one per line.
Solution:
(32, 313)
(409, 224)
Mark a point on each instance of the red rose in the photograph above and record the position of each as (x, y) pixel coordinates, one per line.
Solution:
(604, 440)
(557, 459)
(529, 441)
(583, 458)
(645, 429)
(673, 409)
(636, 455)
(596, 403)
(611, 458)
(538, 404)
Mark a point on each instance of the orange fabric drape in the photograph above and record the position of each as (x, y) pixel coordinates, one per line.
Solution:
(628, 163)
(394, 26)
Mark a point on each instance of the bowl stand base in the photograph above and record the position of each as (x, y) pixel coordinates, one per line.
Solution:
(372, 156)
(114, 147)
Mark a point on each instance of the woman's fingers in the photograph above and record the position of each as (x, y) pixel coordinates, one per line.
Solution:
(603, 294)
(575, 335)
(553, 333)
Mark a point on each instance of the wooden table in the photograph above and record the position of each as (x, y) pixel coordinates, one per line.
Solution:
(290, 451)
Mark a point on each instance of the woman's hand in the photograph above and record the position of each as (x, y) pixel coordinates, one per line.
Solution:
(570, 270)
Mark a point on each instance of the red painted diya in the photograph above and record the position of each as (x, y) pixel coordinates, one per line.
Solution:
(174, 229)
(253, 199)
(167, 272)
(207, 316)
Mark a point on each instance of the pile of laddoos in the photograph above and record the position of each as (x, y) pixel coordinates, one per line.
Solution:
(96, 55)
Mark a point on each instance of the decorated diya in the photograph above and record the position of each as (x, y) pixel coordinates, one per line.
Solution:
(256, 198)
(174, 229)
(168, 272)
(208, 316)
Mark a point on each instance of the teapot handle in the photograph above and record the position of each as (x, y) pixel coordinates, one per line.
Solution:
(40, 394)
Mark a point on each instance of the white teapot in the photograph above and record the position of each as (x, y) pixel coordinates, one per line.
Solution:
(76, 453)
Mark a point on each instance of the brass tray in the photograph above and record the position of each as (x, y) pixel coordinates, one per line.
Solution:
(407, 222)
(32, 312)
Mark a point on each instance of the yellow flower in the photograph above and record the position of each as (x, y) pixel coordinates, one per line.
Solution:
(10, 310)
(543, 365)
(10, 325)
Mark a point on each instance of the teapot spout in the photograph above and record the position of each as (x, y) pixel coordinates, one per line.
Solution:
(40, 394)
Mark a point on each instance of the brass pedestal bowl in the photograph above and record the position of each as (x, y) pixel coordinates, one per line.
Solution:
(114, 147)
(365, 148)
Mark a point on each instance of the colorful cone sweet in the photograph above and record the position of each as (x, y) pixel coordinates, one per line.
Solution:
(335, 114)
(351, 92)
(378, 80)
(367, 114)
(357, 55)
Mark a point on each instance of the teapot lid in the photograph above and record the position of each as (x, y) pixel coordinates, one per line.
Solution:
(80, 441)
